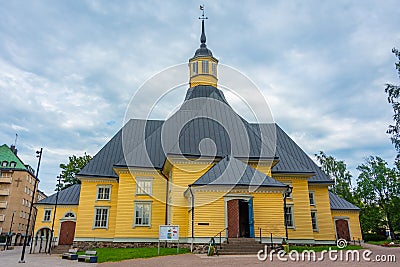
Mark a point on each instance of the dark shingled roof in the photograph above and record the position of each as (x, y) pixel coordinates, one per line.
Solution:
(338, 203)
(205, 125)
(68, 196)
(231, 171)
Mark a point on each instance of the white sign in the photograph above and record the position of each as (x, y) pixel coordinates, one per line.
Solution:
(169, 232)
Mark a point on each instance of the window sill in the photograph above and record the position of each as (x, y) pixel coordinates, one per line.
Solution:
(109, 200)
(142, 226)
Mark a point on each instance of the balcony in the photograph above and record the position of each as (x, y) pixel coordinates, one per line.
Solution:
(5, 179)
(2, 217)
(3, 204)
(4, 192)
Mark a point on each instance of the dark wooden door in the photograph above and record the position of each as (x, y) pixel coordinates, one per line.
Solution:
(233, 218)
(67, 233)
(342, 229)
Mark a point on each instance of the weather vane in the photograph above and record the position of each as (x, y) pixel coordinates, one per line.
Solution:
(202, 16)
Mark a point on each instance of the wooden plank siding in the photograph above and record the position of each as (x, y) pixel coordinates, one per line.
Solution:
(61, 211)
(87, 204)
(301, 206)
(322, 207)
(126, 206)
(354, 223)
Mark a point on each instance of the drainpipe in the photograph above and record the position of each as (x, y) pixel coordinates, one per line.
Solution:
(191, 193)
(166, 197)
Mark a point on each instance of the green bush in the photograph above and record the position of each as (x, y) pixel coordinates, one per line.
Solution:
(373, 237)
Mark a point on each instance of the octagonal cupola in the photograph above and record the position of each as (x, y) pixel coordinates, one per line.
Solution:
(203, 66)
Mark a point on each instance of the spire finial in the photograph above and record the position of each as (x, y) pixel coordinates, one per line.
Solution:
(203, 34)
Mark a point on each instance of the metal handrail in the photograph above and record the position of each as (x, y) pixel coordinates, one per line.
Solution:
(220, 236)
(271, 242)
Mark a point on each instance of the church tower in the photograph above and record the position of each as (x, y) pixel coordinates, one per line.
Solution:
(203, 66)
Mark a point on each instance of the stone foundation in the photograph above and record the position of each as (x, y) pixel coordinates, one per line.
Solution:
(90, 245)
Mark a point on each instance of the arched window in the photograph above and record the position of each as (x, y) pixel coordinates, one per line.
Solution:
(69, 215)
(13, 164)
(4, 164)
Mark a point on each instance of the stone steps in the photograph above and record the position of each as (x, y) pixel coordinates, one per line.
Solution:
(240, 246)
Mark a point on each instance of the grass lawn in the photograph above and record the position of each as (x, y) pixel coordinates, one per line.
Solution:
(321, 248)
(119, 254)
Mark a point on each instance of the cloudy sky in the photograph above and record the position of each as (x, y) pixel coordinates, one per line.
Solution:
(68, 69)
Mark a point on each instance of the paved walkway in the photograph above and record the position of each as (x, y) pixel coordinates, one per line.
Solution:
(10, 258)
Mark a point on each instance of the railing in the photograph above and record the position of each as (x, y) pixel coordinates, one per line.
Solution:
(3, 204)
(271, 243)
(220, 236)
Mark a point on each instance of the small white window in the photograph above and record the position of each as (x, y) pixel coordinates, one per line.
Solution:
(47, 215)
(311, 197)
(4, 163)
(205, 66)
(103, 192)
(144, 186)
(13, 164)
(195, 68)
(214, 69)
(314, 220)
(289, 217)
(69, 215)
(101, 217)
(142, 213)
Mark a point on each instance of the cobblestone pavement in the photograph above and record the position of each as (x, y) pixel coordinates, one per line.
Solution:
(10, 258)
(252, 260)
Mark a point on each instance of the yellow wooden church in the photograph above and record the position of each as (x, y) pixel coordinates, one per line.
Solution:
(204, 169)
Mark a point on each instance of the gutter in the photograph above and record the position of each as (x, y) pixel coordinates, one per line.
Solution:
(191, 193)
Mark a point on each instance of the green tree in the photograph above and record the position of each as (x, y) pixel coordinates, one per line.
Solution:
(69, 170)
(393, 92)
(337, 170)
(378, 186)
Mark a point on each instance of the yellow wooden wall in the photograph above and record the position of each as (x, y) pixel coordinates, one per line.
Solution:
(268, 214)
(126, 201)
(61, 211)
(326, 229)
(182, 176)
(87, 204)
(354, 221)
(301, 205)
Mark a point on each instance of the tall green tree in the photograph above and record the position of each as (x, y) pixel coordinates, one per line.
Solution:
(393, 92)
(378, 186)
(337, 170)
(69, 170)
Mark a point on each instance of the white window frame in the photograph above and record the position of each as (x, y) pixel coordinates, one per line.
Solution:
(195, 68)
(95, 215)
(135, 210)
(311, 193)
(214, 69)
(316, 220)
(205, 68)
(103, 187)
(45, 219)
(291, 216)
(141, 190)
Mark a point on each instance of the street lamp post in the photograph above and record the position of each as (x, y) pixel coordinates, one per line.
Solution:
(54, 214)
(287, 192)
(9, 237)
(38, 155)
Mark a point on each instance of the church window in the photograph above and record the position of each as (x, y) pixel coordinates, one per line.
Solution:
(311, 197)
(47, 215)
(314, 220)
(205, 66)
(101, 217)
(69, 215)
(195, 68)
(289, 218)
(214, 69)
(103, 192)
(142, 213)
(144, 186)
